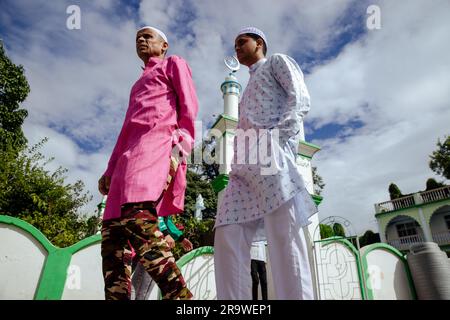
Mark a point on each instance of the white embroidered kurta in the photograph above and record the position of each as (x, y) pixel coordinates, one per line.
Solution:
(274, 103)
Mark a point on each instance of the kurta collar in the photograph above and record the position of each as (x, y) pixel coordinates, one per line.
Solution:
(256, 65)
(153, 61)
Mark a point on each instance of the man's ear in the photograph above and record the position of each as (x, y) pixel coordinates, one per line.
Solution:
(165, 47)
(260, 43)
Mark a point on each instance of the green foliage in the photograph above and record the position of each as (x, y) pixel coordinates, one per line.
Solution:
(369, 237)
(199, 178)
(338, 230)
(208, 169)
(433, 184)
(318, 181)
(27, 190)
(14, 89)
(394, 191)
(440, 158)
(199, 232)
(62, 231)
(27, 186)
(42, 198)
(325, 231)
(196, 185)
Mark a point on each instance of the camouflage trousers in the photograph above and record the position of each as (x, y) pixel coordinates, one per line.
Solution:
(138, 228)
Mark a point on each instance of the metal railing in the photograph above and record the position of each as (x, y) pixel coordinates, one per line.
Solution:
(396, 204)
(411, 200)
(404, 243)
(442, 238)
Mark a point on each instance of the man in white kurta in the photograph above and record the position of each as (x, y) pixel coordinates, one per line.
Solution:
(266, 198)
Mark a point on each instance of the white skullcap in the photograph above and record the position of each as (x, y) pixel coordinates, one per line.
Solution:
(157, 31)
(253, 30)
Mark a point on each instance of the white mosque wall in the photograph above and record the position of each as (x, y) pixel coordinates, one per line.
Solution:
(305, 169)
(387, 277)
(84, 275)
(22, 259)
(339, 268)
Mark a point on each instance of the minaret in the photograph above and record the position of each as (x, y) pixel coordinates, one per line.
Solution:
(226, 124)
(101, 208)
(231, 90)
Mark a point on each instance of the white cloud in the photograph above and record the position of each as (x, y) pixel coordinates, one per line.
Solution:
(67, 154)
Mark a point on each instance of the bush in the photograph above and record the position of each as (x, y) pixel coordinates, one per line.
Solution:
(199, 232)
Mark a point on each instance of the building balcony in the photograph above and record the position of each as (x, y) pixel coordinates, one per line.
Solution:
(413, 200)
(442, 238)
(404, 243)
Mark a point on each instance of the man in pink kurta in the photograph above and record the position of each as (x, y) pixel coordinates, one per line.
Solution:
(159, 120)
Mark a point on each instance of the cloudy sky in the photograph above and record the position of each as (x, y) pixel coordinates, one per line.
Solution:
(380, 97)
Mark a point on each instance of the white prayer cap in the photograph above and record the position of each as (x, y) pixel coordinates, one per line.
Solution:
(157, 31)
(253, 30)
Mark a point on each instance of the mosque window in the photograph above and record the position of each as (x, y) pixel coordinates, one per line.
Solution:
(407, 229)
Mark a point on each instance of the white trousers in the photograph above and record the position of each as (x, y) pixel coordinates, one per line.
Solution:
(288, 255)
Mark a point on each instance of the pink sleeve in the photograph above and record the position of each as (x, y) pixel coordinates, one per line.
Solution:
(117, 150)
(181, 77)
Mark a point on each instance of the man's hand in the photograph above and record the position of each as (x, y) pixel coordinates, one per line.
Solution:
(187, 245)
(103, 185)
(170, 241)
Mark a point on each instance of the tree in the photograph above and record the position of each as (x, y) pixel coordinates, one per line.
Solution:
(440, 158)
(27, 190)
(326, 231)
(14, 89)
(394, 191)
(200, 233)
(42, 198)
(318, 181)
(208, 169)
(199, 178)
(196, 184)
(338, 230)
(433, 184)
(369, 237)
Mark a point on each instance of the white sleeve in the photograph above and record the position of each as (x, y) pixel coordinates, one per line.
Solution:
(290, 77)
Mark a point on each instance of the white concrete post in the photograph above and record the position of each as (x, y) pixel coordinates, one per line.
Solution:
(417, 198)
(425, 227)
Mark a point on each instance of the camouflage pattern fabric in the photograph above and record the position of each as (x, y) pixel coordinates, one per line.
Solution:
(139, 227)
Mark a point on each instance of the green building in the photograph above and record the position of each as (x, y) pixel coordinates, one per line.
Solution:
(421, 217)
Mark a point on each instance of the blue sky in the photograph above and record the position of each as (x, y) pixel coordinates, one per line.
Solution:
(379, 97)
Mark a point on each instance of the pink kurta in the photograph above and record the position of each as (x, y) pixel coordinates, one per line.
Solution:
(162, 100)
